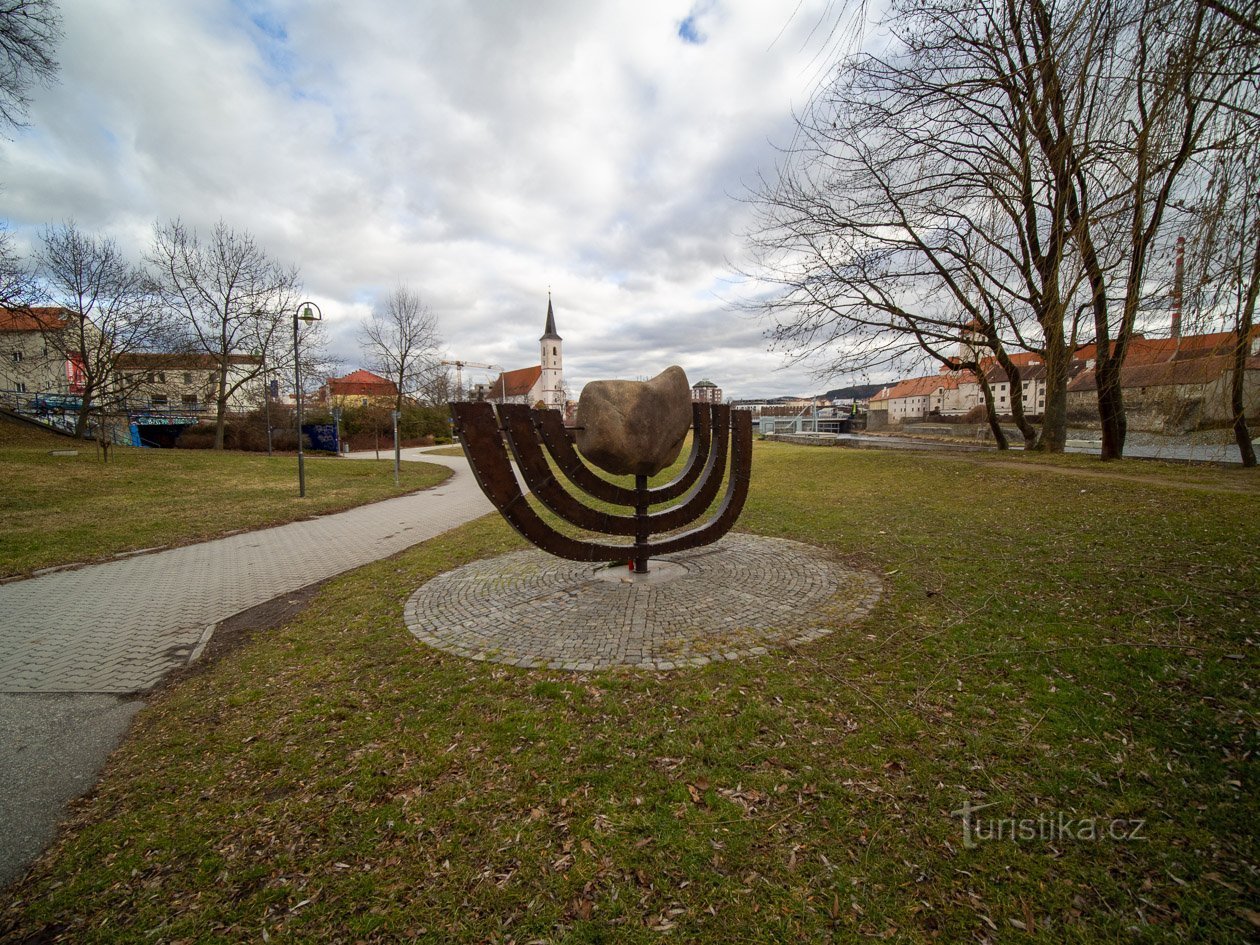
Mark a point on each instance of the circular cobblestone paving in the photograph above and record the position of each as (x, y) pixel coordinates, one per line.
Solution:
(738, 597)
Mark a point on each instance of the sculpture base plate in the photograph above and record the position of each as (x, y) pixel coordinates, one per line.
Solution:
(660, 571)
(738, 597)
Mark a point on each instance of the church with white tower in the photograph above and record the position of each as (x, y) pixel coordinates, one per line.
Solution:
(541, 385)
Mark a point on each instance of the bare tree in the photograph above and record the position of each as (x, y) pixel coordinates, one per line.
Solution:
(1005, 163)
(915, 210)
(1224, 260)
(1162, 71)
(108, 308)
(437, 387)
(233, 299)
(29, 31)
(400, 339)
(17, 279)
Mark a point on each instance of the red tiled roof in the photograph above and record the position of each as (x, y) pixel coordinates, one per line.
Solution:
(516, 383)
(1020, 359)
(40, 318)
(1144, 350)
(922, 386)
(1198, 370)
(1027, 372)
(363, 383)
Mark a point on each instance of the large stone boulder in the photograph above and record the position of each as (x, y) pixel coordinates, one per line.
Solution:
(634, 427)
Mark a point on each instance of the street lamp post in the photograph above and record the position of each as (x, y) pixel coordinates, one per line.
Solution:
(267, 399)
(397, 451)
(307, 312)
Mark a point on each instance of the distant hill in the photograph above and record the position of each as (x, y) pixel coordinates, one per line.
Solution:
(855, 392)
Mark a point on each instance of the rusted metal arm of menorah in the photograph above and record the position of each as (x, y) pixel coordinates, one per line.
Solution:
(531, 436)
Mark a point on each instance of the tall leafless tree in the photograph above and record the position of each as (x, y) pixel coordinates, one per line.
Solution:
(29, 32)
(108, 308)
(400, 339)
(233, 299)
(1005, 165)
(1223, 278)
(915, 211)
(17, 279)
(1162, 71)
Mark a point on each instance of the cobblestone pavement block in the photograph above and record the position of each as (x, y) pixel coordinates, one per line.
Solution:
(731, 600)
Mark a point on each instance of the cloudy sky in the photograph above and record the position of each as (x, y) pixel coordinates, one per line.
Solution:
(481, 152)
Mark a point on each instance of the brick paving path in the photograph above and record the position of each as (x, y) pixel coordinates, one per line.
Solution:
(729, 600)
(119, 627)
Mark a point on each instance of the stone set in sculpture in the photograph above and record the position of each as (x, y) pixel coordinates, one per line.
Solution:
(634, 428)
(624, 428)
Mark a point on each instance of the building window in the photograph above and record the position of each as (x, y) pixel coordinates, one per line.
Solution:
(21, 388)
(17, 357)
(190, 400)
(188, 379)
(159, 400)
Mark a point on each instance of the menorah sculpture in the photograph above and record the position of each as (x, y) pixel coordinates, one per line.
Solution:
(626, 437)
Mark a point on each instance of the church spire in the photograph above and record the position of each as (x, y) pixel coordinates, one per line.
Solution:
(549, 334)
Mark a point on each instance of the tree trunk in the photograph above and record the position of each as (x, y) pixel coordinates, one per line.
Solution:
(1242, 434)
(1015, 381)
(1110, 408)
(221, 403)
(1053, 438)
(85, 411)
(81, 421)
(1237, 387)
(1242, 347)
(990, 412)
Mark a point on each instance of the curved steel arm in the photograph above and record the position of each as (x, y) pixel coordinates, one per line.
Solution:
(522, 438)
(554, 436)
(478, 430)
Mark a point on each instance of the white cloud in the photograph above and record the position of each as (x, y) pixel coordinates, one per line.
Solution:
(478, 152)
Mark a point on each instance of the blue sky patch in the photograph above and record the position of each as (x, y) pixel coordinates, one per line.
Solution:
(688, 32)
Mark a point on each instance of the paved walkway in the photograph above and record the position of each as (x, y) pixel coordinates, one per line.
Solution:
(119, 627)
(77, 645)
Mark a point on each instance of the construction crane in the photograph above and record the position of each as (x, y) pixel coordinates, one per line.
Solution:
(459, 373)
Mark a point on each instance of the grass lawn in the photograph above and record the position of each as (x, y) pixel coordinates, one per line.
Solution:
(1074, 655)
(446, 451)
(63, 509)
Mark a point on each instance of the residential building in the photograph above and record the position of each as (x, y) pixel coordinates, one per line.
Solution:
(917, 397)
(1169, 383)
(172, 382)
(358, 389)
(31, 360)
(1174, 395)
(706, 392)
(877, 410)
